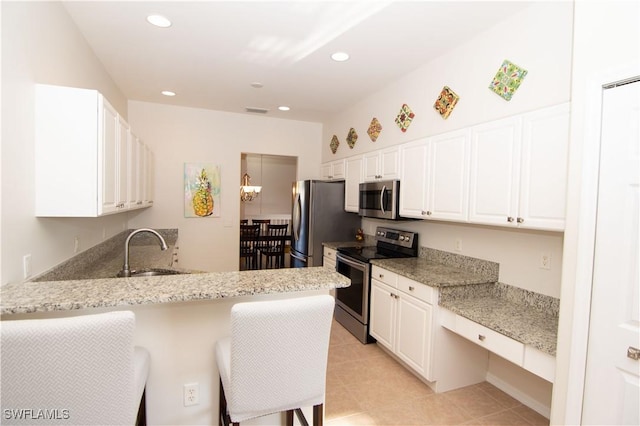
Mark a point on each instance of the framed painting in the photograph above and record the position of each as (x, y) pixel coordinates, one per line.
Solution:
(201, 190)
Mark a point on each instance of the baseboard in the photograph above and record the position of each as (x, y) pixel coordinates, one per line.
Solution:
(516, 393)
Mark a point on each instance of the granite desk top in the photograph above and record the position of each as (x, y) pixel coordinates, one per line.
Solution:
(111, 292)
(431, 273)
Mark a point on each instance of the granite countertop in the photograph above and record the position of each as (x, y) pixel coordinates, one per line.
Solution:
(470, 288)
(431, 273)
(519, 321)
(111, 292)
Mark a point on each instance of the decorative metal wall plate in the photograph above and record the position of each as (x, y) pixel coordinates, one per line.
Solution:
(374, 129)
(446, 101)
(352, 137)
(507, 79)
(404, 118)
(334, 144)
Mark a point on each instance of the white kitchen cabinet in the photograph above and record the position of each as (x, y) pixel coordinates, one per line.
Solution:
(329, 258)
(401, 319)
(435, 177)
(333, 170)
(139, 181)
(414, 158)
(519, 170)
(382, 164)
(353, 177)
(150, 170)
(82, 154)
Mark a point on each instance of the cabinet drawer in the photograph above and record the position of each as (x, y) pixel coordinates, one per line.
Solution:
(497, 343)
(540, 363)
(330, 253)
(387, 277)
(329, 262)
(417, 290)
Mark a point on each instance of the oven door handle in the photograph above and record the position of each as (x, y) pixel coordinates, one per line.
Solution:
(353, 263)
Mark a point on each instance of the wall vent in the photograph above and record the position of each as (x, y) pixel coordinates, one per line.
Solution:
(256, 110)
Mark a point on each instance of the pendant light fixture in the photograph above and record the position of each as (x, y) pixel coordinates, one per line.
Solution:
(249, 192)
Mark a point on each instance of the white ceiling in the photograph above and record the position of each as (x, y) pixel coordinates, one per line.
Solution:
(215, 49)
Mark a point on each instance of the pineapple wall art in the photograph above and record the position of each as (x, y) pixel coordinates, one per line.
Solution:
(201, 190)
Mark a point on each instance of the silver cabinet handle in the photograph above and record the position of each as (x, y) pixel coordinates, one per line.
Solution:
(481, 337)
(381, 275)
(633, 353)
(411, 288)
(520, 220)
(428, 213)
(509, 219)
(423, 213)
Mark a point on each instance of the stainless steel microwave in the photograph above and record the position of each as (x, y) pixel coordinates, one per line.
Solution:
(380, 199)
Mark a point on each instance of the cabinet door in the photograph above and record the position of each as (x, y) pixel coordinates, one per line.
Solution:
(414, 328)
(108, 160)
(389, 163)
(352, 184)
(325, 171)
(150, 177)
(413, 180)
(545, 149)
(338, 169)
(495, 171)
(371, 166)
(382, 315)
(122, 166)
(448, 191)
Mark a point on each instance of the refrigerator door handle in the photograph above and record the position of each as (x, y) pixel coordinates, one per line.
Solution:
(382, 191)
(297, 211)
(302, 259)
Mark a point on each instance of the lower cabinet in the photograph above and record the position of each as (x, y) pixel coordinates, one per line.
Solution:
(329, 258)
(402, 320)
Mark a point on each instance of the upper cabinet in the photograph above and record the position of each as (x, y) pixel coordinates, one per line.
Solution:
(519, 170)
(382, 164)
(435, 177)
(84, 155)
(353, 177)
(333, 170)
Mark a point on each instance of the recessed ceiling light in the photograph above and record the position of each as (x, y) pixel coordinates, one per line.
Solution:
(284, 108)
(159, 21)
(168, 93)
(256, 85)
(340, 56)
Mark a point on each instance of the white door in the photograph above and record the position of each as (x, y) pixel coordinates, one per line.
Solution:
(109, 159)
(413, 190)
(382, 319)
(413, 341)
(352, 184)
(611, 383)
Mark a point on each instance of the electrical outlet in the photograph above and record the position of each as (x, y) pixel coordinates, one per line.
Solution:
(76, 244)
(458, 244)
(545, 260)
(191, 394)
(26, 265)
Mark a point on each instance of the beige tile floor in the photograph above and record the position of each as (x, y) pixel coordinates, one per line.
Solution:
(365, 386)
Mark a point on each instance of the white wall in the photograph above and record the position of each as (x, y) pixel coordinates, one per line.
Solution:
(538, 39)
(606, 48)
(40, 44)
(178, 135)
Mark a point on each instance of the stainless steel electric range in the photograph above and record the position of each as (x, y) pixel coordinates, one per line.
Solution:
(352, 303)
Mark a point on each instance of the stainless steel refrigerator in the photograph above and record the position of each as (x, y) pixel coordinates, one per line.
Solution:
(318, 216)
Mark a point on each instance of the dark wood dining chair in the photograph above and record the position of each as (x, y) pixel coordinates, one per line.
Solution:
(274, 248)
(244, 221)
(248, 246)
(262, 243)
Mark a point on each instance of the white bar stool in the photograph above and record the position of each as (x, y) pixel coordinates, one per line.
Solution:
(79, 370)
(275, 359)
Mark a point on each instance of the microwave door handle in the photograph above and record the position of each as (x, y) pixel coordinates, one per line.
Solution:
(382, 191)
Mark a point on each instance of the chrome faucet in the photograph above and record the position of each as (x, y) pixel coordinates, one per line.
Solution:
(126, 271)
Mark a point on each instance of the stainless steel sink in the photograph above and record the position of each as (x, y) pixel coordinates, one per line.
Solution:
(150, 272)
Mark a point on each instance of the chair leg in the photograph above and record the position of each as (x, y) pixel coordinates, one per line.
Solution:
(289, 418)
(317, 415)
(141, 418)
(224, 419)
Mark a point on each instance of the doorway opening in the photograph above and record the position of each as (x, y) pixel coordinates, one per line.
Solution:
(275, 174)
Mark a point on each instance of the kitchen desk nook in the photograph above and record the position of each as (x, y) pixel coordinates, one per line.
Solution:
(178, 319)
